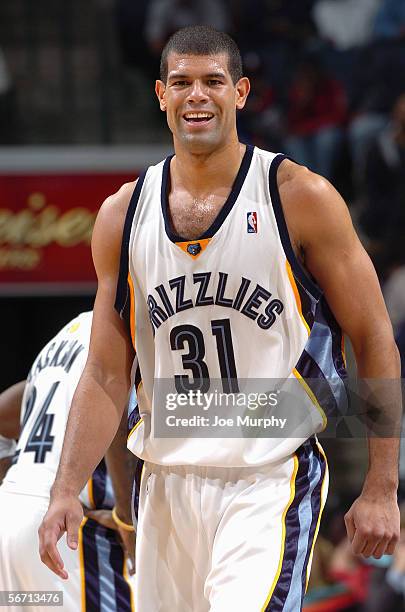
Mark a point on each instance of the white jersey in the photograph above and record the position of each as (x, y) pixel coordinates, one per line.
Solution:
(231, 312)
(48, 393)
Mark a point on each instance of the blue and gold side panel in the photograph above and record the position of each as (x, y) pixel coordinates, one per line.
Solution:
(105, 587)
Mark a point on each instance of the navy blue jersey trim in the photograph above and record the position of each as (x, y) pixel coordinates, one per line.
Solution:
(122, 283)
(292, 530)
(297, 268)
(316, 508)
(90, 563)
(225, 210)
(136, 489)
(116, 560)
(99, 477)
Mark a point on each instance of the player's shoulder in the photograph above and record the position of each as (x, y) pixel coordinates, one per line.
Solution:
(310, 202)
(108, 228)
(111, 215)
(119, 200)
(294, 181)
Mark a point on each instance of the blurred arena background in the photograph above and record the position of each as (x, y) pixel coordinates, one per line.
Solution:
(78, 117)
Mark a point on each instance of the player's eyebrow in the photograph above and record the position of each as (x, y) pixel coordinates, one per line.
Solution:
(216, 75)
(179, 76)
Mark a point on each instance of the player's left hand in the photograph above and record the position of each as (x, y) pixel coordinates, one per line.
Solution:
(373, 524)
(127, 538)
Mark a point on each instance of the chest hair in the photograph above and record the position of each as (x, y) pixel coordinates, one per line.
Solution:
(190, 217)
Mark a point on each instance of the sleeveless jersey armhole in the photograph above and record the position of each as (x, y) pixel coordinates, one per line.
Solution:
(122, 294)
(299, 273)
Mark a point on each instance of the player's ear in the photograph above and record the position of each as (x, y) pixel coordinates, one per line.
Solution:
(160, 90)
(242, 89)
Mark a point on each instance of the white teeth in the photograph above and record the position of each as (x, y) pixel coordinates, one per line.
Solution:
(198, 115)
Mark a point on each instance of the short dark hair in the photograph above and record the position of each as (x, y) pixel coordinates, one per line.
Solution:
(202, 40)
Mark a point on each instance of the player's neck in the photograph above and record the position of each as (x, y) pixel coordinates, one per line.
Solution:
(199, 174)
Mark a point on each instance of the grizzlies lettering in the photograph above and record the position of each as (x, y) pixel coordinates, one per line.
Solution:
(252, 301)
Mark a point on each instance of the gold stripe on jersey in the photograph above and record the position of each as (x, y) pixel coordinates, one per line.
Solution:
(203, 244)
(91, 492)
(312, 397)
(296, 294)
(283, 532)
(81, 562)
(134, 428)
(343, 349)
(132, 310)
(323, 502)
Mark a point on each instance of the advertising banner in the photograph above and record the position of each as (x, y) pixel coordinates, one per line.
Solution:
(46, 222)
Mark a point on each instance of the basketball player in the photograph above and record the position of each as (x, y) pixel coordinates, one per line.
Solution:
(99, 579)
(224, 262)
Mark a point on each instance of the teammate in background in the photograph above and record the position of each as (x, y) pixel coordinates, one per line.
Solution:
(99, 575)
(208, 291)
(10, 408)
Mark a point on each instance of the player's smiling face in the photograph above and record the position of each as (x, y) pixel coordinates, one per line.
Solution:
(200, 101)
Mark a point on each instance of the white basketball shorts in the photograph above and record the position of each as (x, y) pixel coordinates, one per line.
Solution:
(222, 539)
(97, 573)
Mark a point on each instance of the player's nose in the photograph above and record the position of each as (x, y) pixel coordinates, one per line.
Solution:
(198, 92)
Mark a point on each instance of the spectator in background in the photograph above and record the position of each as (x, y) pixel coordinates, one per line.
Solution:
(262, 22)
(390, 20)
(130, 18)
(378, 78)
(345, 23)
(384, 218)
(164, 17)
(315, 117)
(279, 31)
(260, 123)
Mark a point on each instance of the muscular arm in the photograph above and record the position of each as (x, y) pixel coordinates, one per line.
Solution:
(322, 232)
(102, 392)
(121, 464)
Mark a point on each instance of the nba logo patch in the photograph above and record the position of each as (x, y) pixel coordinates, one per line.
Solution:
(252, 222)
